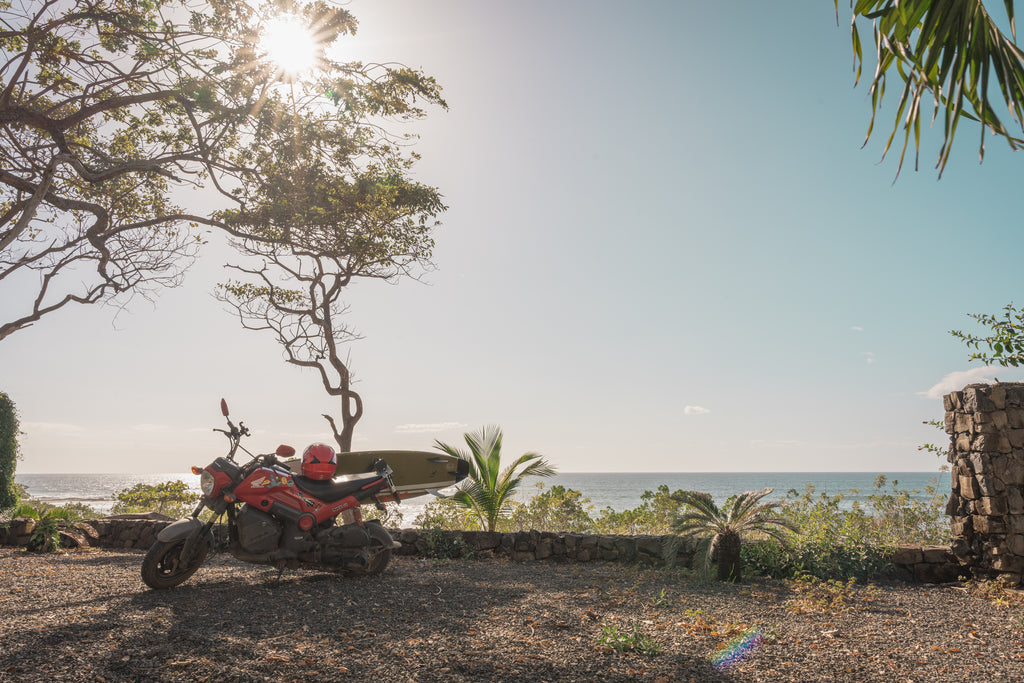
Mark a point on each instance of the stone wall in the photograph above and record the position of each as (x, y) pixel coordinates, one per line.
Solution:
(986, 454)
(140, 534)
(926, 565)
(540, 545)
(127, 532)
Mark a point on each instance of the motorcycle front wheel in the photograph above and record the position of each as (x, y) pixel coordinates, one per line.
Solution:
(162, 567)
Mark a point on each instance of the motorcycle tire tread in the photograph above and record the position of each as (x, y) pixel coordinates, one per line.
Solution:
(155, 577)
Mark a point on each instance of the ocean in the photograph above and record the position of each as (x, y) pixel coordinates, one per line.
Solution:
(617, 490)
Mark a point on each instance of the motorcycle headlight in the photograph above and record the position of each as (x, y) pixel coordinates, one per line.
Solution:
(206, 483)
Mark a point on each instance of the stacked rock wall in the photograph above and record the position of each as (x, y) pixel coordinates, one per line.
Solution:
(140, 534)
(986, 428)
(926, 565)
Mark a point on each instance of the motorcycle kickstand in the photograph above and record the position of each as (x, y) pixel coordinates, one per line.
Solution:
(277, 579)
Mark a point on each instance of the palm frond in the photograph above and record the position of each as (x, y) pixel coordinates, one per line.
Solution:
(746, 505)
(537, 467)
(951, 49)
(702, 503)
(488, 489)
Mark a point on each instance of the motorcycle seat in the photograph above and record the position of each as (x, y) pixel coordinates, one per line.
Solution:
(334, 490)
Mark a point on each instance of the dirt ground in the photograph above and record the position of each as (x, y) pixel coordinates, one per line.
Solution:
(87, 616)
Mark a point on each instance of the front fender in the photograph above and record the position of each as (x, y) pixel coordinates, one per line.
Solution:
(183, 528)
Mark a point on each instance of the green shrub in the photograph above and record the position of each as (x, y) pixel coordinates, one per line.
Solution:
(838, 544)
(445, 513)
(8, 451)
(654, 515)
(171, 498)
(441, 545)
(557, 509)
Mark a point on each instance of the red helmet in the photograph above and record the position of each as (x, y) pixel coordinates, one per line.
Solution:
(319, 462)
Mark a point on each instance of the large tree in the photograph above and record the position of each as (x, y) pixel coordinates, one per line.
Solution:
(956, 52)
(112, 111)
(343, 220)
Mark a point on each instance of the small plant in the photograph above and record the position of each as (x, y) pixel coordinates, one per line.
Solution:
(722, 529)
(633, 640)
(661, 600)
(995, 592)
(830, 596)
(45, 537)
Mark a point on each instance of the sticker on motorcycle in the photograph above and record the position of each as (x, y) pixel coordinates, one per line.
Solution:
(310, 503)
(272, 481)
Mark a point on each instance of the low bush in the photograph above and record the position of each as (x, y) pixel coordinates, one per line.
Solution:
(655, 514)
(439, 545)
(445, 513)
(836, 543)
(171, 498)
(557, 509)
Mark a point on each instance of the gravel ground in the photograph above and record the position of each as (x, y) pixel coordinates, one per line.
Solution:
(87, 616)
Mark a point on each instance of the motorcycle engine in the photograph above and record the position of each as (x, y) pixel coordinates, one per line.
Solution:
(258, 532)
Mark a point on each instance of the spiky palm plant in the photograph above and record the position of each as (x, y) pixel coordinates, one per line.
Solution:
(956, 51)
(488, 489)
(722, 529)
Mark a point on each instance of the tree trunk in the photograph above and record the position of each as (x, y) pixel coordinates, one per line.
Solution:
(729, 568)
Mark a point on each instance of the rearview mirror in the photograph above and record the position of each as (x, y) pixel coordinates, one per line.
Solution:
(223, 407)
(284, 451)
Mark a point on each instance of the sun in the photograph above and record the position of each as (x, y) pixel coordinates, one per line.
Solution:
(289, 43)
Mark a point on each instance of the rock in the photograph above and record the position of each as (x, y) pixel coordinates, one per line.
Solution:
(73, 538)
(990, 506)
(150, 516)
(908, 556)
(482, 540)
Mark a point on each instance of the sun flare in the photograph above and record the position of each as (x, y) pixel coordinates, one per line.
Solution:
(289, 43)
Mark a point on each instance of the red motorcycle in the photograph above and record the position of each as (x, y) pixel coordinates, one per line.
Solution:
(278, 518)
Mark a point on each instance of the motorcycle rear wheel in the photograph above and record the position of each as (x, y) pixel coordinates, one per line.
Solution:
(161, 568)
(379, 557)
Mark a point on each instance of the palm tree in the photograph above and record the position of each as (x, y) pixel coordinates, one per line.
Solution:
(488, 489)
(950, 49)
(722, 529)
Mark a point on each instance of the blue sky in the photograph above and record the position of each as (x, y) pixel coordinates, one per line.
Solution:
(665, 250)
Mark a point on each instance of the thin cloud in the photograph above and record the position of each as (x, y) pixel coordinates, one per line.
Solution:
(870, 356)
(781, 443)
(150, 427)
(428, 428)
(54, 427)
(695, 410)
(857, 328)
(955, 381)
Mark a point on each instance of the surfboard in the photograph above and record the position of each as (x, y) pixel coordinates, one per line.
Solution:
(415, 473)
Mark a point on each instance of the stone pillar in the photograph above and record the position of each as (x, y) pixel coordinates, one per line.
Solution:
(985, 423)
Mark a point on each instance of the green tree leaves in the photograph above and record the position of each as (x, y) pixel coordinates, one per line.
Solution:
(8, 451)
(111, 108)
(1005, 341)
